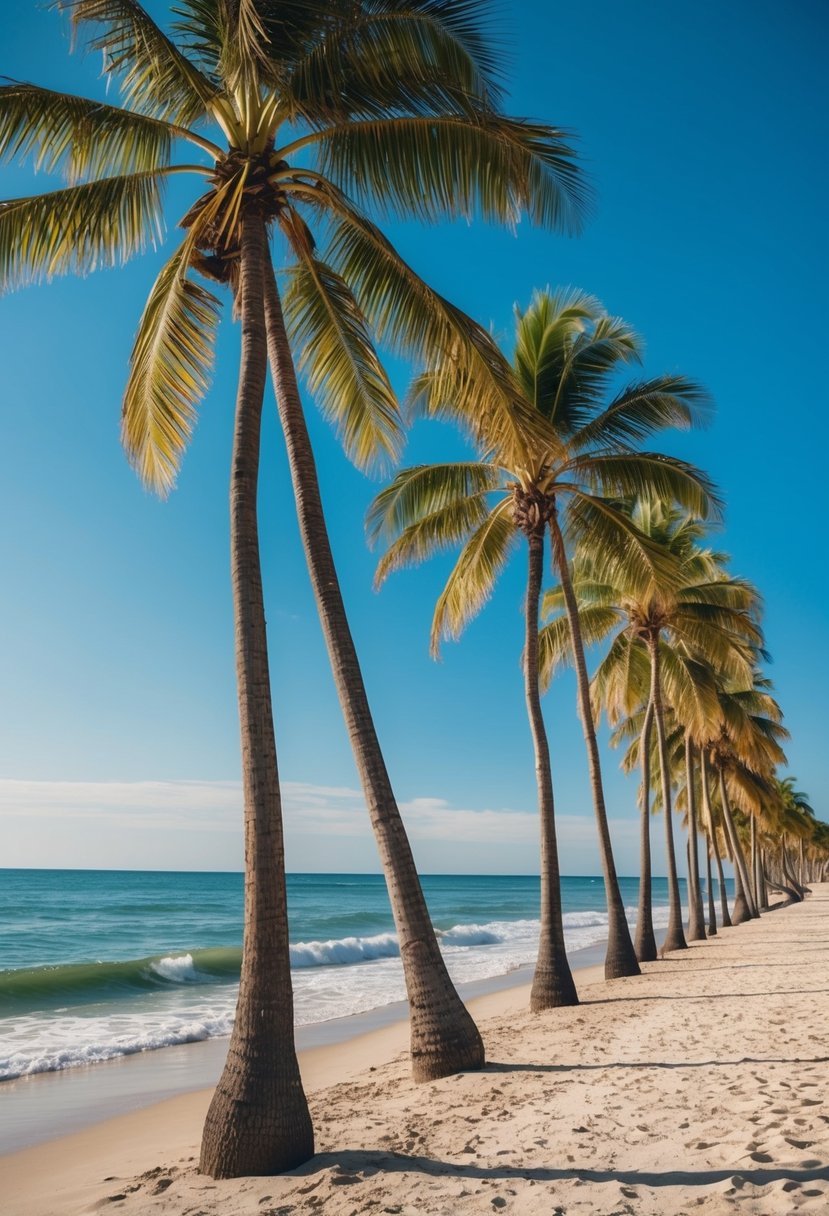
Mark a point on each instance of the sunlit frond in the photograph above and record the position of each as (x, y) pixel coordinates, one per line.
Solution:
(408, 56)
(425, 490)
(80, 229)
(643, 408)
(473, 164)
(474, 575)
(169, 371)
(153, 74)
(337, 356)
(78, 137)
(555, 642)
(633, 475)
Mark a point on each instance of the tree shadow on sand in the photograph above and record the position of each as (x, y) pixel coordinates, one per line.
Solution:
(358, 1164)
(495, 1066)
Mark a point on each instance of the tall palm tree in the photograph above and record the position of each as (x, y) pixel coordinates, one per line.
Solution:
(696, 609)
(289, 111)
(560, 449)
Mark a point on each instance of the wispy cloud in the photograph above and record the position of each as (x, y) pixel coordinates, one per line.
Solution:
(175, 812)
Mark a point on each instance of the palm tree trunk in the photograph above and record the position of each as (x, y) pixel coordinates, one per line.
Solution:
(674, 937)
(755, 889)
(712, 910)
(258, 1120)
(620, 959)
(645, 942)
(444, 1038)
(553, 981)
(743, 905)
(696, 918)
(712, 834)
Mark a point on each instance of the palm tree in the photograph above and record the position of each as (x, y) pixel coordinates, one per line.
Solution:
(285, 108)
(558, 451)
(655, 626)
(743, 753)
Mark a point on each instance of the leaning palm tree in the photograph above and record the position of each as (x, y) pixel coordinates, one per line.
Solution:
(288, 111)
(560, 449)
(699, 610)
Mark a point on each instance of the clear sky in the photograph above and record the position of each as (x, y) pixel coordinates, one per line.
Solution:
(704, 128)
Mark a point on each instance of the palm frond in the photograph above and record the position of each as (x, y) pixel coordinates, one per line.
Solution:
(425, 490)
(78, 137)
(338, 359)
(474, 575)
(154, 76)
(412, 319)
(631, 475)
(79, 229)
(477, 163)
(436, 532)
(555, 641)
(647, 406)
(408, 56)
(169, 371)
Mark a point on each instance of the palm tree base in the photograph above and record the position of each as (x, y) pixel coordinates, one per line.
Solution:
(256, 1129)
(741, 913)
(552, 988)
(441, 1051)
(645, 947)
(620, 961)
(674, 940)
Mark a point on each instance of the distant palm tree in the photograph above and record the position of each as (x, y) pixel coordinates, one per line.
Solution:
(306, 101)
(696, 610)
(549, 458)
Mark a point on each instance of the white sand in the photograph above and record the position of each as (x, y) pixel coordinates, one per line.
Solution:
(699, 1086)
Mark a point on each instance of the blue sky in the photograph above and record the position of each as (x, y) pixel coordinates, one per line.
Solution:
(704, 129)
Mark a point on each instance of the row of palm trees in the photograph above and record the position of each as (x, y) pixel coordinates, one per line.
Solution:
(297, 120)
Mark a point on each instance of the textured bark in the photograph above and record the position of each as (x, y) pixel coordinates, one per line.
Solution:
(674, 937)
(620, 959)
(645, 942)
(444, 1038)
(743, 904)
(696, 917)
(755, 887)
(258, 1120)
(712, 836)
(552, 984)
(712, 910)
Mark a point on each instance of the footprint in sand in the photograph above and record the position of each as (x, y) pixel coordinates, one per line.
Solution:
(761, 1158)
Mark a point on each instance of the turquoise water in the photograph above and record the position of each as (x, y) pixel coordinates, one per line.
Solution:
(95, 964)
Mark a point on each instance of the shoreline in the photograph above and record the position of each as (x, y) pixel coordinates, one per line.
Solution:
(698, 1086)
(50, 1105)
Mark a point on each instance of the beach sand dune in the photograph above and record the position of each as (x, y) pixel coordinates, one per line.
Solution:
(698, 1087)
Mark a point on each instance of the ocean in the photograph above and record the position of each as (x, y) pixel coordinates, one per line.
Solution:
(100, 964)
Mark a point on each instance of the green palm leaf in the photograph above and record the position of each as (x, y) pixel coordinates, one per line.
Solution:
(338, 359)
(425, 490)
(474, 575)
(169, 371)
(412, 57)
(80, 229)
(155, 77)
(78, 137)
(640, 409)
(476, 163)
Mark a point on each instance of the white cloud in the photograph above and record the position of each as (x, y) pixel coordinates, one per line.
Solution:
(198, 825)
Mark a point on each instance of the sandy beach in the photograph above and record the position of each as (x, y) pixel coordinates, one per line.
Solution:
(699, 1086)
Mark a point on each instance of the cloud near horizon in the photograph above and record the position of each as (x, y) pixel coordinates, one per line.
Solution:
(191, 824)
